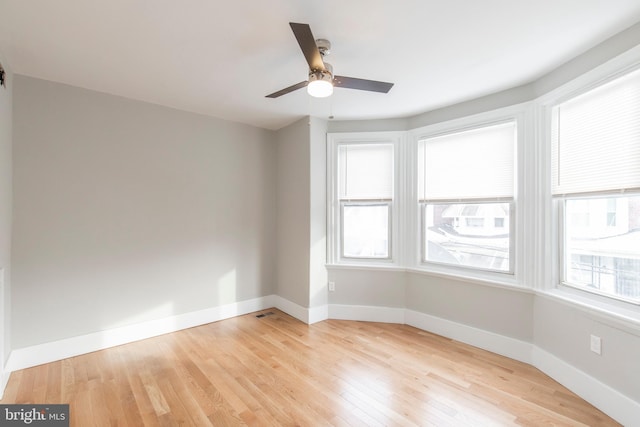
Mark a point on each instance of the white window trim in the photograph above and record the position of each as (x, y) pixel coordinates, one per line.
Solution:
(549, 282)
(334, 235)
(521, 114)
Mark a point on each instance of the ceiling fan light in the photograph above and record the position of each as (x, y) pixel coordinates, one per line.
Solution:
(320, 88)
(320, 83)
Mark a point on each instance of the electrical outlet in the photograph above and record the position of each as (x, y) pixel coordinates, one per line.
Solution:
(596, 344)
(332, 286)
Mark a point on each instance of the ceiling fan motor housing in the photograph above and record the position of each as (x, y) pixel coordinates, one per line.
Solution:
(326, 74)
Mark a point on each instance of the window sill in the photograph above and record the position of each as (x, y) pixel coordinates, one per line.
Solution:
(614, 315)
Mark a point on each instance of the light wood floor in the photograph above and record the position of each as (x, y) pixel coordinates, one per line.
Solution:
(275, 371)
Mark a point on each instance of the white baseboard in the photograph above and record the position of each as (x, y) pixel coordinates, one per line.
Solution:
(367, 313)
(303, 314)
(610, 401)
(57, 350)
(500, 344)
(318, 314)
(291, 308)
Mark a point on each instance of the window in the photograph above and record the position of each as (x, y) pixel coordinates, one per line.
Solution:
(596, 188)
(365, 191)
(466, 186)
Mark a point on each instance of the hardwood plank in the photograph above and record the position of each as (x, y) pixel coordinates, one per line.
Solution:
(276, 370)
(53, 383)
(25, 387)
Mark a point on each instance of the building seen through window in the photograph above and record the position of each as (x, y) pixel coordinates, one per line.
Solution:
(603, 244)
(474, 235)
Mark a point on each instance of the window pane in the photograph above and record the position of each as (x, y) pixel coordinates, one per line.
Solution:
(602, 238)
(365, 231)
(468, 234)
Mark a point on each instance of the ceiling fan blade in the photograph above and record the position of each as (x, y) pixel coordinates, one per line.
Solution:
(288, 89)
(308, 45)
(362, 84)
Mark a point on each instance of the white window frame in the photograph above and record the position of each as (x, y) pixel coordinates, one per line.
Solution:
(555, 206)
(335, 205)
(549, 277)
(521, 115)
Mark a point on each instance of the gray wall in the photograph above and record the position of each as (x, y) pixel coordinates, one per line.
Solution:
(301, 223)
(608, 49)
(369, 287)
(564, 331)
(317, 212)
(127, 212)
(499, 310)
(508, 312)
(6, 106)
(293, 212)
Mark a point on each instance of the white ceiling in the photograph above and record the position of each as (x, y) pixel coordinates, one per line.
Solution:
(221, 58)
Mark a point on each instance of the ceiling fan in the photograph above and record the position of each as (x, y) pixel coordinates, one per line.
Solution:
(321, 79)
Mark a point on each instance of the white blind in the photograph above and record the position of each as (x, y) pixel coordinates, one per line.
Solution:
(474, 164)
(365, 171)
(596, 139)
